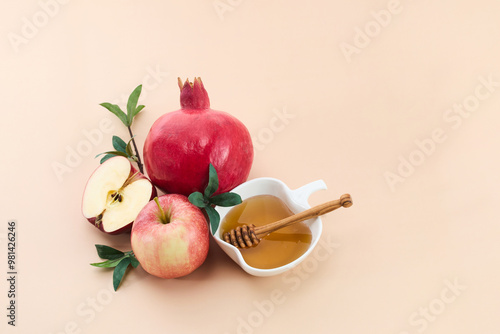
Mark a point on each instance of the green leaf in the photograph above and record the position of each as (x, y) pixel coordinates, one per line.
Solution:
(214, 218)
(108, 263)
(226, 199)
(106, 252)
(138, 109)
(117, 111)
(133, 260)
(113, 153)
(106, 157)
(132, 104)
(120, 271)
(197, 199)
(119, 144)
(213, 182)
(117, 259)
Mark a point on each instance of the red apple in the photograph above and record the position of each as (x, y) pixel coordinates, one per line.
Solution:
(170, 237)
(114, 195)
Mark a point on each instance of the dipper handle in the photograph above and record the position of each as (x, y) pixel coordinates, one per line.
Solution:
(319, 210)
(249, 235)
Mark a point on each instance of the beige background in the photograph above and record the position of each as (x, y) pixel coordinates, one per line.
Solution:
(352, 107)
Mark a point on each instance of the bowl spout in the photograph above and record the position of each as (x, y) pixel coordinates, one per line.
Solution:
(301, 195)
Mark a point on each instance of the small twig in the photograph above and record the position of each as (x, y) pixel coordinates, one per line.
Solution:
(139, 163)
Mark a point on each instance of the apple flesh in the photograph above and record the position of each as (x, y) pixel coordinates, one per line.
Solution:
(115, 193)
(170, 237)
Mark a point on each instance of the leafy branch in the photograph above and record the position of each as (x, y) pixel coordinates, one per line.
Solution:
(122, 148)
(115, 259)
(206, 200)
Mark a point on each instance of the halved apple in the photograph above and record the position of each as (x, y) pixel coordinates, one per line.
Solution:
(115, 193)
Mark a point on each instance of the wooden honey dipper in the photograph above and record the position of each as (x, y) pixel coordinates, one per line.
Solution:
(249, 235)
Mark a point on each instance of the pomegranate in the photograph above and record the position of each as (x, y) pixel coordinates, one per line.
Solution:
(181, 144)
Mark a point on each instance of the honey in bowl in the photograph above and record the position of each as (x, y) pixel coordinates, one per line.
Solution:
(278, 248)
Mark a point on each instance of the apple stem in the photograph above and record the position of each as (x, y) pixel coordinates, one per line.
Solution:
(139, 163)
(163, 217)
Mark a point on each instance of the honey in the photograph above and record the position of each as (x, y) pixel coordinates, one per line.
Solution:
(278, 248)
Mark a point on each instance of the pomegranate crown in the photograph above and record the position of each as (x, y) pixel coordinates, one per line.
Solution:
(193, 94)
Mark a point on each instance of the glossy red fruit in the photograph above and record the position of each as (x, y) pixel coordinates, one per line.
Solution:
(182, 143)
(170, 237)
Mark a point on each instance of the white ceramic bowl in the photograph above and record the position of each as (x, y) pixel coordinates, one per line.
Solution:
(296, 200)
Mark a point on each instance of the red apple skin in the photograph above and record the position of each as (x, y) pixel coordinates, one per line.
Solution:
(174, 249)
(128, 227)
